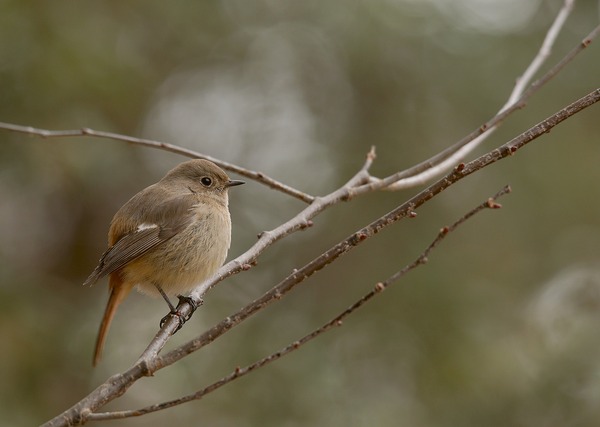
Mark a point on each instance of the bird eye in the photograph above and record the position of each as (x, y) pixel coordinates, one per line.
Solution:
(206, 181)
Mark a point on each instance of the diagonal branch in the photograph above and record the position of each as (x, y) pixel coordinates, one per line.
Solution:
(266, 239)
(490, 203)
(404, 210)
(543, 54)
(119, 383)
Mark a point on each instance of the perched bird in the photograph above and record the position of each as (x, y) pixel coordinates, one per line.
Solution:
(167, 238)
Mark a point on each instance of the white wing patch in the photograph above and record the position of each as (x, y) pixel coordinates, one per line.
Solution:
(145, 226)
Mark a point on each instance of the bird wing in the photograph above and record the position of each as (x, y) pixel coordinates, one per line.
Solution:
(163, 222)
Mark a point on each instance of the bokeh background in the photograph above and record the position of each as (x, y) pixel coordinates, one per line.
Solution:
(499, 329)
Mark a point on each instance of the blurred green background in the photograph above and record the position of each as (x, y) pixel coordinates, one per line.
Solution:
(499, 329)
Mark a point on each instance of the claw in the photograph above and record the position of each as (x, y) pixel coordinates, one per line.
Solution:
(193, 304)
(176, 313)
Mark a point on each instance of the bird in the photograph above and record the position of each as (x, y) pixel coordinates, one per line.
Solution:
(167, 239)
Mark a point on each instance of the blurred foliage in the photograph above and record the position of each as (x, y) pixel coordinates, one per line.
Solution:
(500, 328)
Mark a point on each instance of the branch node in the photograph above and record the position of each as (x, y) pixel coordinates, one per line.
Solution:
(492, 204)
(145, 368)
(361, 236)
(348, 195)
(412, 214)
(379, 287)
(306, 224)
(82, 417)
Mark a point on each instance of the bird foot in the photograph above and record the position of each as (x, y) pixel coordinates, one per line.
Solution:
(178, 314)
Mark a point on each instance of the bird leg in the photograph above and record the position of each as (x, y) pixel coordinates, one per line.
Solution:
(174, 312)
(165, 297)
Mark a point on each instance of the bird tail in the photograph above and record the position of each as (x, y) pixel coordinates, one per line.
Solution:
(118, 291)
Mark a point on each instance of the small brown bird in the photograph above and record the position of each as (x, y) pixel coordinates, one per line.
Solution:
(167, 238)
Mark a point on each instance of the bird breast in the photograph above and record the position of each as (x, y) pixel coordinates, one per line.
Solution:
(187, 259)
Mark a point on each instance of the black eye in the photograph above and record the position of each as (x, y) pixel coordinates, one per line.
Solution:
(206, 181)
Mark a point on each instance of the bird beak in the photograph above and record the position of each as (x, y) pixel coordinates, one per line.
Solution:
(233, 183)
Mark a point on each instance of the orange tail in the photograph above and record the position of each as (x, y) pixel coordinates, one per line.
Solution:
(118, 291)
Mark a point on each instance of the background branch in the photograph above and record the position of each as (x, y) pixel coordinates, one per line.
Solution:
(172, 148)
(438, 164)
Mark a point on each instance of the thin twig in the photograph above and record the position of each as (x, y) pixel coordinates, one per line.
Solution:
(543, 54)
(436, 165)
(257, 176)
(490, 203)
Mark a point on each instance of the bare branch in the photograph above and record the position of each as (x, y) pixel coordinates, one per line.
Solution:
(266, 239)
(408, 178)
(526, 137)
(119, 383)
(405, 210)
(490, 203)
(416, 175)
(257, 176)
(436, 165)
(543, 54)
(362, 182)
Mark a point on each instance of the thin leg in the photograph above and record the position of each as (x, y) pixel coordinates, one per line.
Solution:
(173, 311)
(165, 297)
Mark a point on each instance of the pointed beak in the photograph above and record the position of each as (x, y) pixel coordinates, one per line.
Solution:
(233, 183)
